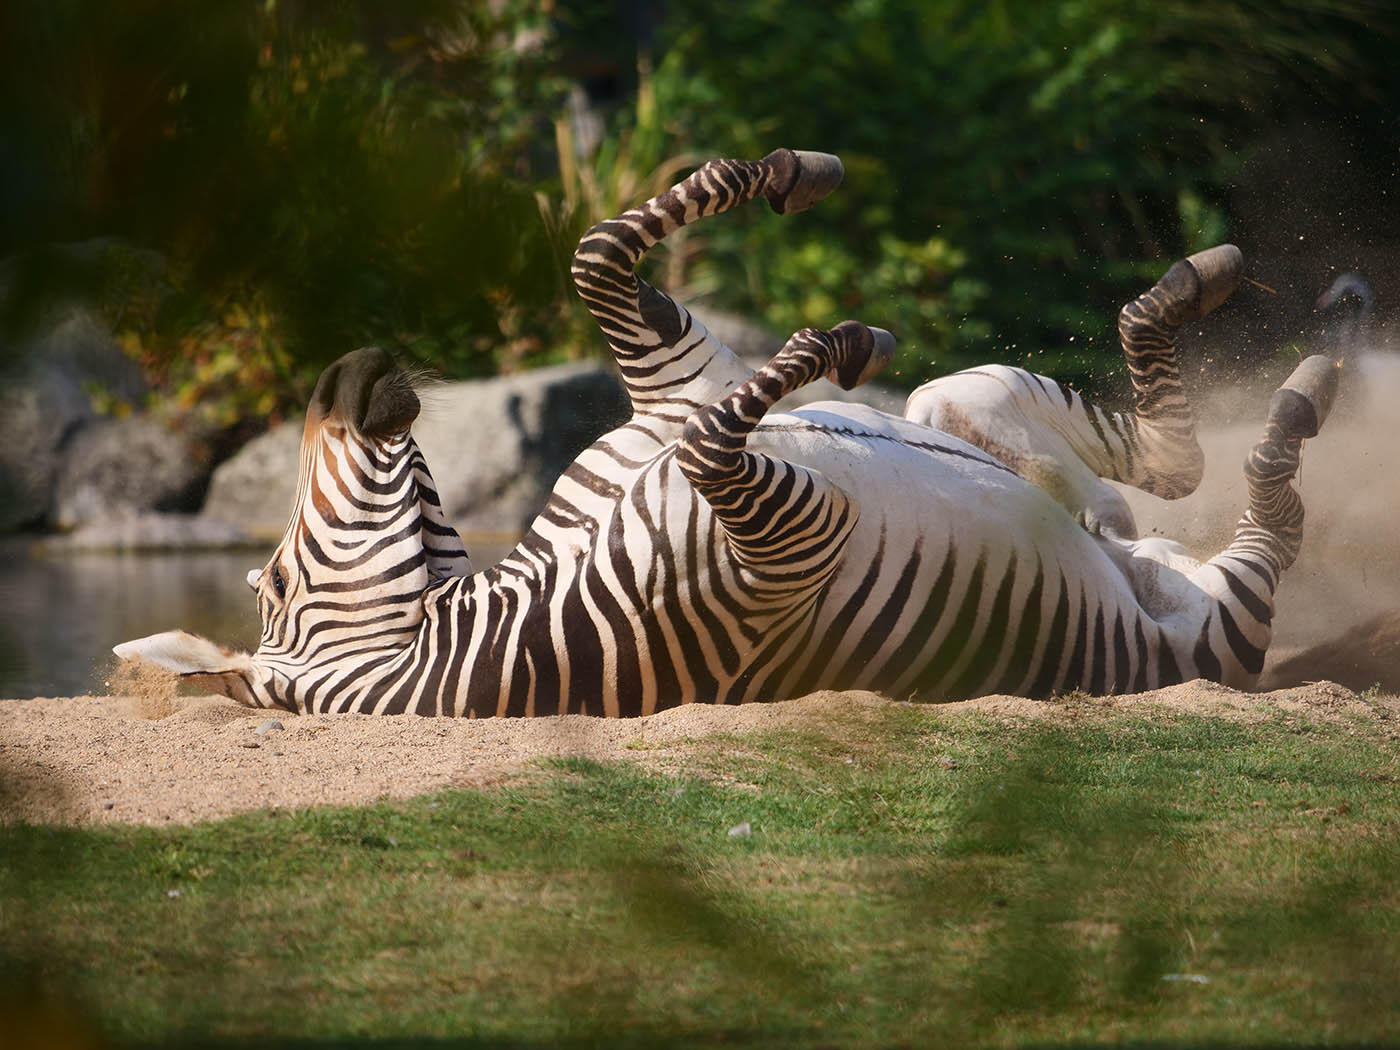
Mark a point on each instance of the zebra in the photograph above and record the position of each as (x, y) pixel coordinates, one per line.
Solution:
(711, 549)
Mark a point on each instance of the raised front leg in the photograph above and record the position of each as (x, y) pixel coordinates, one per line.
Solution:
(785, 523)
(670, 363)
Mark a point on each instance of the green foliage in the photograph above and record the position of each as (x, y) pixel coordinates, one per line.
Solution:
(1066, 152)
(342, 173)
(356, 172)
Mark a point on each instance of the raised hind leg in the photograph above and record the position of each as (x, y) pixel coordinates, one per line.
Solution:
(1064, 444)
(1243, 577)
(784, 523)
(670, 364)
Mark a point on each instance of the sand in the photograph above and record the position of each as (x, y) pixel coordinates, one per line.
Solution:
(120, 759)
(145, 755)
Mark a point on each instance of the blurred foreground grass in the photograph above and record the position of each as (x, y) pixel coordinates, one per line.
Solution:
(916, 880)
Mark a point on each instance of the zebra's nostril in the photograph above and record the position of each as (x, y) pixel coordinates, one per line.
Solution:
(391, 408)
(348, 390)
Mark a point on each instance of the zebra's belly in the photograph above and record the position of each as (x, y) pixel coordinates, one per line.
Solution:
(958, 578)
(961, 578)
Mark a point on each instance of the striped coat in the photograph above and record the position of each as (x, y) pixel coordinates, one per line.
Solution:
(714, 549)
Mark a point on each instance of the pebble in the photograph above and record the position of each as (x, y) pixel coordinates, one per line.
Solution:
(268, 726)
(250, 743)
(740, 831)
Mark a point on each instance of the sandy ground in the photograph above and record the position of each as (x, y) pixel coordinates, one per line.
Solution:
(146, 756)
(126, 759)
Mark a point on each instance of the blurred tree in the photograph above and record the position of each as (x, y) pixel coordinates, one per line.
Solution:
(261, 184)
(316, 176)
(1050, 157)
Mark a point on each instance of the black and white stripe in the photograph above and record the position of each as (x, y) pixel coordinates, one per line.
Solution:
(712, 549)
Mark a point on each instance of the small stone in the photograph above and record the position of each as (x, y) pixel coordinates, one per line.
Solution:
(740, 831)
(108, 805)
(250, 743)
(268, 726)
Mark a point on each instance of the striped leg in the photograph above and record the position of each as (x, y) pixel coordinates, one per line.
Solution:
(785, 523)
(1245, 575)
(1064, 444)
(670, 363)
(1158, 452)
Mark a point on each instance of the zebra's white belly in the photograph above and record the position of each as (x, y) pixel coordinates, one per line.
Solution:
(958, 552)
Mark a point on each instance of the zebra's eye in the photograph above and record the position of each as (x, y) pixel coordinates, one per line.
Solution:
(278, 584)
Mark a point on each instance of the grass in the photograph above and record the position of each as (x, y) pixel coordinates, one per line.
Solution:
(922, 880)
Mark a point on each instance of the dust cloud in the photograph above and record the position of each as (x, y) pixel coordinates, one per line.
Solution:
(153, 689)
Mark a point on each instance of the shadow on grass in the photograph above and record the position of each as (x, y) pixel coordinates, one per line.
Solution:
(1059, 889)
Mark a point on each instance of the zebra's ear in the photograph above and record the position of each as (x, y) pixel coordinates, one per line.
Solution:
(203, 662)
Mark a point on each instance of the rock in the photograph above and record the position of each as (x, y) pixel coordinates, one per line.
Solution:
(121, 467)
(45, 400)
(756, 343)
(496, 447)
(151, 532)
(267, 726)
(255, 488)
(741, 831)
(752, 341)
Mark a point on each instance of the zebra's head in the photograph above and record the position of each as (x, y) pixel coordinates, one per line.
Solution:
(343, 592)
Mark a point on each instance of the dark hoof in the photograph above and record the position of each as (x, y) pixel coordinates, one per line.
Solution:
(871, 350)
(1203, 281)
(801, 178)
(1300, 406)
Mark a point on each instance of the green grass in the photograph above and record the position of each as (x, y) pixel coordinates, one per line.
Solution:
(919, 880)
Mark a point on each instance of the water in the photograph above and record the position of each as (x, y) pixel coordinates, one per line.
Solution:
(60, 614)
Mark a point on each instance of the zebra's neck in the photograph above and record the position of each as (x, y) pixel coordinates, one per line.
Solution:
(457, 659)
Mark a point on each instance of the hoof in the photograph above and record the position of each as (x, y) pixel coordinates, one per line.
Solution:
(1203, 281)
(1300, 406)
(801, 178)
(872, 349)
(1218, 273)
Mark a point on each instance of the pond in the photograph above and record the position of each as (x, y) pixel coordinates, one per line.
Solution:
(60, 614)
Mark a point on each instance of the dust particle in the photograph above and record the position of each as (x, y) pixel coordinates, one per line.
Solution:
(152, 687)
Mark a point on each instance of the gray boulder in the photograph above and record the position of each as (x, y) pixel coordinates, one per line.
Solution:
(117, 468)
(255, 488)
(756, 343)
(147, 532)
(45, 400)
(497, 446)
